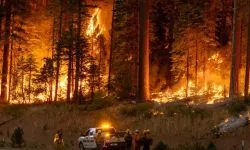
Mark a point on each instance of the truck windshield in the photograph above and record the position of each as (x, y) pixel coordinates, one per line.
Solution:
(106, 130)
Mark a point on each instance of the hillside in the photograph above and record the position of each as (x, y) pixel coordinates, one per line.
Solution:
(175, 124)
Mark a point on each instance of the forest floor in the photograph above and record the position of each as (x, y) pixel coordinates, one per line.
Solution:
(174, 124)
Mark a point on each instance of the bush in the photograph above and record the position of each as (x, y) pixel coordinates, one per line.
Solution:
(2, 143)
(100, 101)
(45, 127)
(128, 111)
(161, 146)
(139, 109)
(15, 110)
(196, 146)
(17, 139)
(185, 110)
(211, 146)
(236, 108)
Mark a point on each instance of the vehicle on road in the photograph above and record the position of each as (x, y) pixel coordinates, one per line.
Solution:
(112, 139)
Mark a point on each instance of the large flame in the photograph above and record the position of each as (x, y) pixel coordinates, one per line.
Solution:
(94, 30)
(214, 91)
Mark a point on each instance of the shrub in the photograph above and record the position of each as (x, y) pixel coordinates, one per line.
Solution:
(139, 109)
(161, 146)
(2, 143)
(128, 111)
(185, 110)
(45, 127)
(196, 146)
(17, 139)
(236, 108)
(15, 110)
(100, 101)
(211, 146)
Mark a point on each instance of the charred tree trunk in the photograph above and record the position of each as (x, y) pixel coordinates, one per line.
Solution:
(168, 55)
(247, 58)
(70, 52)
(196, 64)
(11, 58)
(223, 28)
(187, 63)
(233, 91)
(30, 81)
(111, 48)
(78, 54)
(100, 59)
(58, 57)
(5, 66)
(212, 18)
(143, 88)
(1, 18)
(23, 87)
(72, 75)
(52, 56)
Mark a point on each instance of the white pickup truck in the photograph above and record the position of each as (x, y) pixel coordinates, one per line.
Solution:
(112, 139)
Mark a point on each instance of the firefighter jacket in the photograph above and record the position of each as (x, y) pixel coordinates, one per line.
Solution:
(128, 139)
(137, 140)
(99, 139)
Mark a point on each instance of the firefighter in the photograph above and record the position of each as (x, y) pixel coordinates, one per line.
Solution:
(128, 139)
(147, 141)
(137, 140)
(58, 139)
(99, 140)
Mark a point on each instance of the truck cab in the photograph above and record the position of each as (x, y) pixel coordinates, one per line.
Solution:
(112, 138)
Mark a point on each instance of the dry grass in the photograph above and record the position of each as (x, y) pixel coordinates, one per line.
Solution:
(178, 125)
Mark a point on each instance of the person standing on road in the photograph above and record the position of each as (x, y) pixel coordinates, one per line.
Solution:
(147, 141)
(128, 139)
(137, 140)
(99, 140)
(58, 139)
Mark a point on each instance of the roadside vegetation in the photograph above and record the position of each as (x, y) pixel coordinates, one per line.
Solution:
(174, 124)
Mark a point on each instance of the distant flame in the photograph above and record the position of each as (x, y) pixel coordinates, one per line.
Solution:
(216, 91)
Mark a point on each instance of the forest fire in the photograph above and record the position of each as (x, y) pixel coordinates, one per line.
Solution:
(83, 51)
(94, 24)
(211, 93)
(93, 31)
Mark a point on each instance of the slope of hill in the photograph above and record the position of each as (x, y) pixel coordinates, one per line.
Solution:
(174, 124)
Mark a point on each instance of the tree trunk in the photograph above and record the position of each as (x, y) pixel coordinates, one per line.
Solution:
(247, 58)
(11, 58)
(1, 19)
(196, 64)
(187, 64)
(52, 56)
(5, 66)
(100, 59)
(233, 91)
(213, 18)
(143, 90)
(78, 53)
(168, 54)
(23, 87)
(111, 48)
(58, 58)
(70, 52)
(72, 75)
(30, 82)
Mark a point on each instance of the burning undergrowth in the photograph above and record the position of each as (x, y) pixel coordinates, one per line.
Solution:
(239, 117)
(210, 85)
